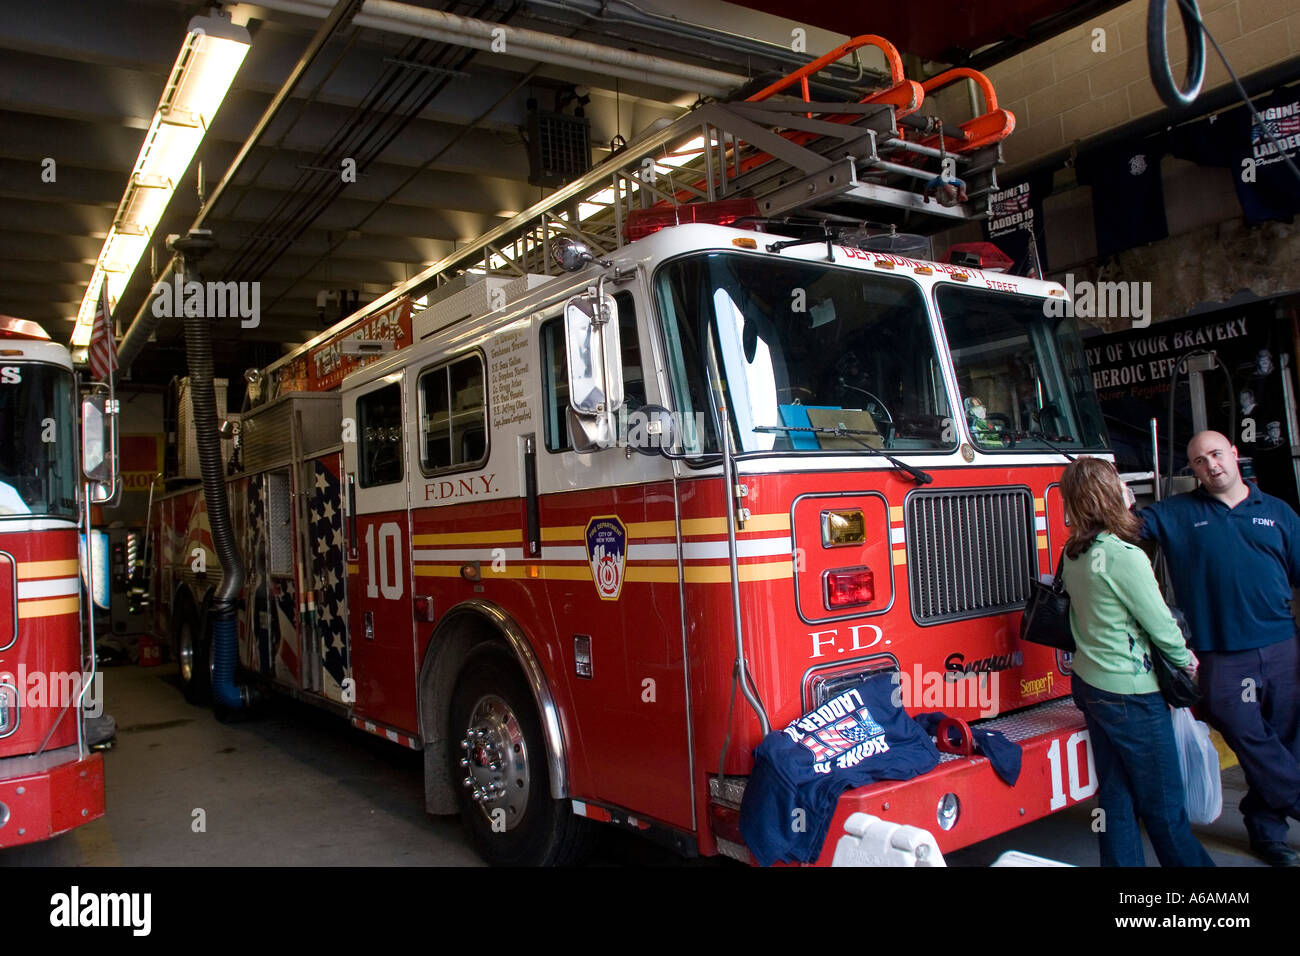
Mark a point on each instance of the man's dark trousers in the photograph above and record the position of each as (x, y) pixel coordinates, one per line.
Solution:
(1253, 699)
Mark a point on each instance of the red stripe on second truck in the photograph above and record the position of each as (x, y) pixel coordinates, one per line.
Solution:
(396, 736)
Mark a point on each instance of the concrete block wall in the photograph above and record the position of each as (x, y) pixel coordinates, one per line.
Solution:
(1063, 90)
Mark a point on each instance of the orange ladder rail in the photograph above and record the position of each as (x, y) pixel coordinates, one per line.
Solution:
(906, 96)
(991, 126)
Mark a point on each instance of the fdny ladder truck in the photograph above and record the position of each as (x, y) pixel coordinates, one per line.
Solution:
(663, 469)
(50, 781)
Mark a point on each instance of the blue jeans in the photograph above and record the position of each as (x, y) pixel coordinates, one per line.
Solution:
(1137, 769)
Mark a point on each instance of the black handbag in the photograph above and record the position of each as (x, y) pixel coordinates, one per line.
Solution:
(1178, 688)
(1047, 613)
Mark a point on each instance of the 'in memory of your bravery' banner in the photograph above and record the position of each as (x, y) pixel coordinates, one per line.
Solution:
(1132, 372)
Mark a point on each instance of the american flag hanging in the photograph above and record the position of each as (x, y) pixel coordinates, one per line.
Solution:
(103, 350)
(329, 569)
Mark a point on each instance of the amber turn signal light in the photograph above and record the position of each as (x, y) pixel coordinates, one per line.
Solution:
(843, 528)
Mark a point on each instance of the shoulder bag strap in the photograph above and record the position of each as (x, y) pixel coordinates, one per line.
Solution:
(1058, 582)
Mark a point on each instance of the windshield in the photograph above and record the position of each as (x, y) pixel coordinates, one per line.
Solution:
(805, 348)
(1022, 375)
(37, 445)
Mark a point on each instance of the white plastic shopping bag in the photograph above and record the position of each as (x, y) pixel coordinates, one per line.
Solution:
(1199, 763)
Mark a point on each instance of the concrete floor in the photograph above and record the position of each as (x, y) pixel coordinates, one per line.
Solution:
(1067, 836)
(299, 787)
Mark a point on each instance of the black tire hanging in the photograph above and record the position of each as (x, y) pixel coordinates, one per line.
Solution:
(1158, 53)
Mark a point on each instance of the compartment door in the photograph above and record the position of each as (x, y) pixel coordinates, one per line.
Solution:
(380, 619)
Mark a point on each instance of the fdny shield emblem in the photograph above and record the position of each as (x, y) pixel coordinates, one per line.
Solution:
(607, 553)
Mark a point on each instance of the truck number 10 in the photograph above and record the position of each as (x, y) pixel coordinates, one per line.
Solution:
(1076, 742)
(389, 574)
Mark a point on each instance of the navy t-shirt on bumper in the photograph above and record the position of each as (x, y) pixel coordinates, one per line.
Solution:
(860, 736)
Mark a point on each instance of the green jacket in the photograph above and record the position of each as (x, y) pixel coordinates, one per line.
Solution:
(1115, 611)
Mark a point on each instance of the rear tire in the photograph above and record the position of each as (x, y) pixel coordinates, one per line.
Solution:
(192, 655)
(498, 767)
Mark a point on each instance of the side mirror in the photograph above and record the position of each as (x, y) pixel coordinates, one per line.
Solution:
(98, 461)
(595, 355)
(570, 254)
(590, 433)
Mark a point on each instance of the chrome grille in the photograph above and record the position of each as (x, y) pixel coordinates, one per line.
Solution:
(969, 552)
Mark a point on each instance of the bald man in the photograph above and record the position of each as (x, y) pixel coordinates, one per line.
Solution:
(1234, 555)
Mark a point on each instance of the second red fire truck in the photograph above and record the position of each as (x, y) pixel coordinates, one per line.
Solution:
(50, 780)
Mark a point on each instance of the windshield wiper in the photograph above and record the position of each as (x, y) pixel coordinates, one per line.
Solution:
(919, 476)
(1039, 436)
(826, 237)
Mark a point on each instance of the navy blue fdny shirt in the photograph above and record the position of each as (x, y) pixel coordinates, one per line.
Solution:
(855, 738)
(1232, 568)
(1128, 200)
(1265, 184)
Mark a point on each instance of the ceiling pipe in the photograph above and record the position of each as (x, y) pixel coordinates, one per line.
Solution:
(144, 323)
(576, 52)
(626, 12)
(692, 79)
(535, 45)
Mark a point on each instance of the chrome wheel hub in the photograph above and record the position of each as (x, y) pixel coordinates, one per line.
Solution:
(185, 653)
(496, 760)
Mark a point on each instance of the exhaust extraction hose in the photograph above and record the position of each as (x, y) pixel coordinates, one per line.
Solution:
(224, 608)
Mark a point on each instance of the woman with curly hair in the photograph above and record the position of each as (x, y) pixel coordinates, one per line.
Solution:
(1117, 614)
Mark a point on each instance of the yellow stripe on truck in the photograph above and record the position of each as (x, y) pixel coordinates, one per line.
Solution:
(48, 569)
(468, 537)
(49, 608)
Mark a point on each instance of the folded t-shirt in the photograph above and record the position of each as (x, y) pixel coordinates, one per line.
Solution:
(857, 737)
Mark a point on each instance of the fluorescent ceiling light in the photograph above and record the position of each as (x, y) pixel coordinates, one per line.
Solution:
(210, 56)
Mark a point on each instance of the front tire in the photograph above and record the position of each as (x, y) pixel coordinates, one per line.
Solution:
(499, 769)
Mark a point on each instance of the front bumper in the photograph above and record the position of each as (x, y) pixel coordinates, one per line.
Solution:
(1056, 772)
(41, 797)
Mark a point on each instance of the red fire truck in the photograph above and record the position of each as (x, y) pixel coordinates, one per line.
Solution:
(50, 782)
(584, 540)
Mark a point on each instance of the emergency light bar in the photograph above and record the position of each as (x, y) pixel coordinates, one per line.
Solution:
(979, 255)
(11, 328)
(644, 222)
